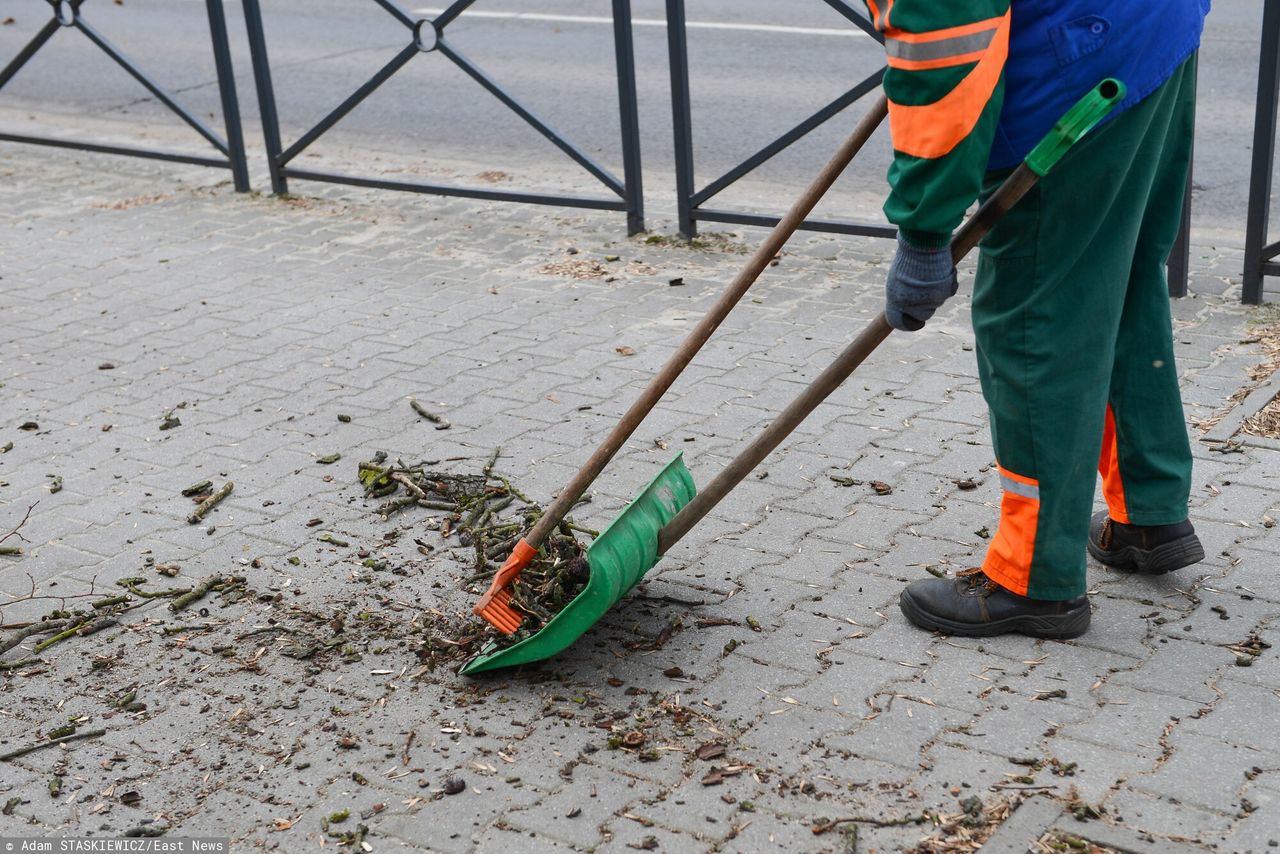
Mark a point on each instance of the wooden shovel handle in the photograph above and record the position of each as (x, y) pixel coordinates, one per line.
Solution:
(708, 324)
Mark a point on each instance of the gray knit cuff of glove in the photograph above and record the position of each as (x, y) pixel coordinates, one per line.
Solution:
(923, 265)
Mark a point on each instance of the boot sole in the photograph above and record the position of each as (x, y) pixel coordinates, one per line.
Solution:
(1161, 560)
(1072, 624)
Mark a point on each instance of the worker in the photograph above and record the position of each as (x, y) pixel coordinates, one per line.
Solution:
(1070, 300)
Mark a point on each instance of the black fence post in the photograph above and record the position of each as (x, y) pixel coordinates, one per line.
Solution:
(227, 90)
(692, 203)
(1179, 266)
(1256, 252)
(629, 115)
(266, 94)
(682, 117)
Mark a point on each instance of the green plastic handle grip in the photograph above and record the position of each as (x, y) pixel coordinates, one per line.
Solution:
(1078, 121)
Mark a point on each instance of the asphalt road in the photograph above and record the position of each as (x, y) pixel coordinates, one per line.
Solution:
(755, 72)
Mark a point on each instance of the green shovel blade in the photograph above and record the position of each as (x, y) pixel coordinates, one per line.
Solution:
(618, 559)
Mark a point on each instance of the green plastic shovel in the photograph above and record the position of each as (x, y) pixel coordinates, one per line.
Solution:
(668, 507)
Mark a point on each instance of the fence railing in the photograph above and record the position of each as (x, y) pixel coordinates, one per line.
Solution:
(67, 14)
(691, 201)
(429, 35)
(1259, 255)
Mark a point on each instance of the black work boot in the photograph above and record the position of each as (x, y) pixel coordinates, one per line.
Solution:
(1147, 549)
(975, 606)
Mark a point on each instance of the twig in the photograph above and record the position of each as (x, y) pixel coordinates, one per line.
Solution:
(187, 627)
(493, 460)
(131, 584)
(196, 593)
(16, 528)
(396, 504)
(408, 742)
(31, 748)
(14, 665)
(60, 636)
(819, 829)
(409, 486)
(37, 629)
(210, 503)
(440, 423)
(439, 505)
(266, 630)
(32, 596)
(96, 626)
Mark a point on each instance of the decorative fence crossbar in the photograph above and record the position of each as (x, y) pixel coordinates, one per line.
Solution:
(428, 35)
(67, 15)
(690, 199)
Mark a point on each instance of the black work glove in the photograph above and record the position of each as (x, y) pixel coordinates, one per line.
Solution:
(920, 281)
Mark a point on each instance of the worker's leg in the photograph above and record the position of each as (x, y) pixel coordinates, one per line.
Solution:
(1146, 457)
(1146, 466)
(1049, 308)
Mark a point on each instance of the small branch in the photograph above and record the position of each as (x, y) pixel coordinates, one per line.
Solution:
(14, 531)
(62, 635)
(440, 423)
(96, 626)
(210, 503)
(410, 487)
(196, 593)
(31, 596)
(23, 751)
(819, 829)
(37, 629)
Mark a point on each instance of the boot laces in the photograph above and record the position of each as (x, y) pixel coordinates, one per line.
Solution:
(1108, 531)
(975, 576)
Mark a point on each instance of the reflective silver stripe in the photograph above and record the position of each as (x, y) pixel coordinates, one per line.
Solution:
(1026, 490)
(940, 49)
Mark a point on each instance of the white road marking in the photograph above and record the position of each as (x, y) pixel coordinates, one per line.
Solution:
(851, 32)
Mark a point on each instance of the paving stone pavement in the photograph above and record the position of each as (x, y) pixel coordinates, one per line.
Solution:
(256, 321)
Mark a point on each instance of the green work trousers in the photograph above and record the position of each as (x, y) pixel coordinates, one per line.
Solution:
(1075, 345)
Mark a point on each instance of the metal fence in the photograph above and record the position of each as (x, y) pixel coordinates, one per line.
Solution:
(66, 14)
(426, 36)
(691, 201)
(1259, 255)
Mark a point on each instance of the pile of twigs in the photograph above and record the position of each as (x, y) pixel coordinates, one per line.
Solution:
(489, 515)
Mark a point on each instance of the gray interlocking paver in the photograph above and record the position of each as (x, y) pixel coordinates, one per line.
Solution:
(269, 318)
(1160, 817)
